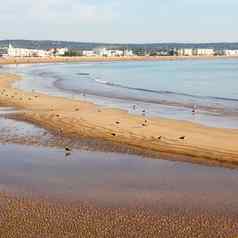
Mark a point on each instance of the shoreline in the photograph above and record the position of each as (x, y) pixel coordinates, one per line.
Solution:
(78, 118)
(84, 59)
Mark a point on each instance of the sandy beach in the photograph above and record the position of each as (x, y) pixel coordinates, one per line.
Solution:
(60, 59)
(78, 118)
(44, 193)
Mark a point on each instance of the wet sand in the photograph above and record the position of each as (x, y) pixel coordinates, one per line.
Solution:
(46, 193)
(96, 194)
(42, 218)
(78, 118)
(15, 130)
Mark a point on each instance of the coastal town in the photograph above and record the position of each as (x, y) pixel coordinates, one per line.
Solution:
(12, 51)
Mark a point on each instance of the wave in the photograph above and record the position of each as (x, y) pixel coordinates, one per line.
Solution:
(149, 96)
(103, 82)
(83, 74)
(164, 92)
(164, 97)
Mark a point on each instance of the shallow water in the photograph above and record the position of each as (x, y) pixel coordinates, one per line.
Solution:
(163, 88)
(115, 179)
(10, 128)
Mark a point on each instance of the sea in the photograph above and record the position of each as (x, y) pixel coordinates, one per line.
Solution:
(200, 91)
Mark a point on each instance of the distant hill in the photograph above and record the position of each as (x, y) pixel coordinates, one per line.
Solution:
(33, 44)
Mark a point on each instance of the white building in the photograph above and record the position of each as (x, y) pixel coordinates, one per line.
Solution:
(203, 52)
(39, 53)
(101, 52)
(231, 52)
(128, 52)
(18, 52)
(89, 53)
(117, 53)
(185, 52)
(21, 52)
(3, 52)
(109, 52)
(57, 51)
(61, 51)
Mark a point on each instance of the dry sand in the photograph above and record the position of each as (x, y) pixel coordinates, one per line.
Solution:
(32, 60)
(73, 117)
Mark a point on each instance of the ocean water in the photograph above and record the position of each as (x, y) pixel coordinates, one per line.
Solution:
(169, 89)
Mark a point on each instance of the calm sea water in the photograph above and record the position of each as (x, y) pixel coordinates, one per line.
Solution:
(163, 88)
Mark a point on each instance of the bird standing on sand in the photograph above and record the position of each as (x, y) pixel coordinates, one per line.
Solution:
(67, 151)
(194, 108)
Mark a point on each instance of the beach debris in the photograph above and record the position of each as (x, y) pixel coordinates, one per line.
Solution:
(57, 115)
(160, 137)
(113, 134)
(76, 109)
(182, 137)
(117, 122)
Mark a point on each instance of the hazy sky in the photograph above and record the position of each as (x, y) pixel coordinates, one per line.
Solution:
(120, 20)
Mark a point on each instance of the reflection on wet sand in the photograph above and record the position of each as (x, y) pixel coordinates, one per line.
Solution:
(113, 194)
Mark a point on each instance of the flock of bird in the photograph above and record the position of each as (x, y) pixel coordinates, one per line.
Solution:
(68, 150)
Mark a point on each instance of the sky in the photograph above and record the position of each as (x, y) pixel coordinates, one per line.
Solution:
(120, 21)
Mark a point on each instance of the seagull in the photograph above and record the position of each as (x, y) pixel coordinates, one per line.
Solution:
(194, 108)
